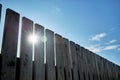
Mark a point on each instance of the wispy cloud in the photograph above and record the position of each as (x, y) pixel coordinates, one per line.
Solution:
(112, 41)
(94, 48)
(98, 37)
(111, 47)
(99, 48)
(56, 10)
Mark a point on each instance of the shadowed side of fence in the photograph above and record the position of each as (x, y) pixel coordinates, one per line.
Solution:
(39, 54)
(26, 50)
(0, 53)
(9, 45)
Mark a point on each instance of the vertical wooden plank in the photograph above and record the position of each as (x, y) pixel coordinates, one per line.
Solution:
(95, 74)
(0, 11)
(86, 69)
(96, 63)
(66, 53)
(50, 63)
(90, 66)
(0, 53)
(26, 50)
(74, 60)
(79, 61)
(39, 53)
(9, 45)
(59, 57)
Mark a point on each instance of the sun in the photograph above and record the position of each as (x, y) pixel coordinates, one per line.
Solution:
(32, 38)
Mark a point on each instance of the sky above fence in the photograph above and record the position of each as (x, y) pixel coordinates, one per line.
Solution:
(92, 24)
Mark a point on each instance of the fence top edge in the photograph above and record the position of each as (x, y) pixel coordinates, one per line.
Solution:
(10, 10)
(0, 5)
(27, 19)
(48, 30)
(58, 35)
(36, 24)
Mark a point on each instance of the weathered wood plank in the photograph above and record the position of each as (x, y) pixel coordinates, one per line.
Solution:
(0, 11)
(0, 52)
(79, 62)
(67, 62)
(59, 57)
(50, 62)
(26, 50)
(89, 62)
(74, 60)
(9, 45)
(39, 53)
(85, 65)
(97, 66)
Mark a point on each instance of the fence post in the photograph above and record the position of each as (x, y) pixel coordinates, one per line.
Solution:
(26, 50)
(9, 45)
(66, 53)
(39, 70)
(59, 57)
(74, 60)
(0, 53)
(50, 62)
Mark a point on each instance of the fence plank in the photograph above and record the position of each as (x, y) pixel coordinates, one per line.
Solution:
(10, 38)
(0, 11)
(59, 57)
(66, 53)
(50, 63)
(79, 61)
(74, 60)
(26, 50)
(0, 52)
(39, 53)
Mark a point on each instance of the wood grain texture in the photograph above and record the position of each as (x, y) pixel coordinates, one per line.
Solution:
(74, 60)
(50, 62)
(59, 57)
(9, 45)
(26, 50)
(67, 61)
(39, 73)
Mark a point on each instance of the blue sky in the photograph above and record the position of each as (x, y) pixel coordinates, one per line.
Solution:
(94, 24)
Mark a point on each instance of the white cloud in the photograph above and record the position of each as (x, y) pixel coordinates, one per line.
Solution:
(112, 41)
(98, 37)
(111, 47)
(94, 48)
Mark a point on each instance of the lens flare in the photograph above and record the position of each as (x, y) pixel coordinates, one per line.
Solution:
(32, 38)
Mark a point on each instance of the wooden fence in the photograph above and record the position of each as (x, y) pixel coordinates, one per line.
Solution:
(65, 60)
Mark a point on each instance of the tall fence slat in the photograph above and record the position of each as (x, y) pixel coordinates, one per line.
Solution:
(50, 63)
(0, 53)
(74, 60)
(0, 11)
(59, 57)
(39, 70)
(26, 50)
(79, 61)
(9, 45)
(66, 53)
